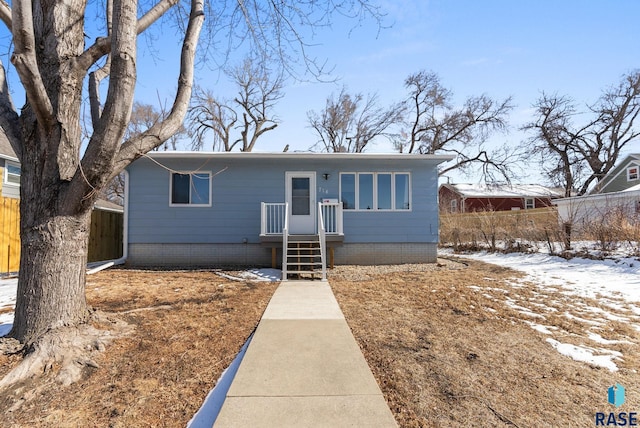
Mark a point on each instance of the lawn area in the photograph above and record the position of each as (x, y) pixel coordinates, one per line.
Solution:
(459, 343)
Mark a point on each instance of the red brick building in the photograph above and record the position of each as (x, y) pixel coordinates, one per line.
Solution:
(461, 198)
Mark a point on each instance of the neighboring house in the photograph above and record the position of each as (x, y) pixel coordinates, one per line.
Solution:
(10, 169)
(217, 209)
(622, 177)
(616, 195)
(581, 211)
(464, 198)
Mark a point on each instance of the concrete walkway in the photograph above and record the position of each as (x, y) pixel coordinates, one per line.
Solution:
(303, 368)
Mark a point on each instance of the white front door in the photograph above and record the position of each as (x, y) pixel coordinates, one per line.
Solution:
(301, 196)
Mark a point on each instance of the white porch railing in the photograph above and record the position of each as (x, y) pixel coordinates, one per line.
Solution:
(273, 218)
(331, 214)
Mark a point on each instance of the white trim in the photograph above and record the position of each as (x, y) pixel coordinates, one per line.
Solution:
(375, 174)
(629, 168)
(308, 223)
(616, 171)
(533, 203)
(191, 205)
(298, 155)
(5, 179)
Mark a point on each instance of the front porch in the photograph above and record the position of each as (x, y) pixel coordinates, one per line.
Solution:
(308, 251)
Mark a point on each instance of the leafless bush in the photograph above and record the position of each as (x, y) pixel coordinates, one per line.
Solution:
(498, 230)
(523, 230)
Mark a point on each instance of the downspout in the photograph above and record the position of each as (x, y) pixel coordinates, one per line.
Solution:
(125, 232)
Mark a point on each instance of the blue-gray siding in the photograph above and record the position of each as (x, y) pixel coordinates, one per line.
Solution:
(245, 183)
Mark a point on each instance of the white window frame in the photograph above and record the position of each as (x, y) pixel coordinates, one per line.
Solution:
(375, 190)
(633, 176)
(529, 201)
(190, 174)
(453, 206)
(6, 173)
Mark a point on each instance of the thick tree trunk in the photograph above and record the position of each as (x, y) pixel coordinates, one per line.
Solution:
(52, 275)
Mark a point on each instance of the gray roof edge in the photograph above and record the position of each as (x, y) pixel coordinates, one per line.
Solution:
(297, 155)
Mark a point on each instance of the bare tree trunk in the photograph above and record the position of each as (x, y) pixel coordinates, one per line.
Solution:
(52, 274)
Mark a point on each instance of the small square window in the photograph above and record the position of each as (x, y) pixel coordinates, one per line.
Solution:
(12, 173)
(529, 203)
(633, 173)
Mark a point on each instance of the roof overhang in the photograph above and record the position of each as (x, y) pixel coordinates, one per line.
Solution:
(297, 155)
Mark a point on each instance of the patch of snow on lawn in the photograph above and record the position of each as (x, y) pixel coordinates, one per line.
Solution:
(584, 277)
(269, 275)
(614, 283)
(541, 328)
(599, 339)
(584, 354)
(7, 299)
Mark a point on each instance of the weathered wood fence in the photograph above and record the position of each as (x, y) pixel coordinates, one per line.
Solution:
(489, 226)
(105, 240)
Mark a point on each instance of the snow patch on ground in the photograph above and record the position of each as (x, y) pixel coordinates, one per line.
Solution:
(587, 355)
(613, 283)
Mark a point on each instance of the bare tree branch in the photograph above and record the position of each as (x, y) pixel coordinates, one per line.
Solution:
(435, 126)
(9, 119)
(350, 123)
(160, 132)
(24, 59)
(5, 14)
(574, 156)
(259, 88)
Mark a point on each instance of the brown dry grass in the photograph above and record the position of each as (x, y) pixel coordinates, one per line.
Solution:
(453, 348)
(450, 346)
(189, 326)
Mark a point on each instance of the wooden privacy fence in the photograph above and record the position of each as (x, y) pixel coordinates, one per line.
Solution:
(105, 239)
(489, 226)
(10, 235)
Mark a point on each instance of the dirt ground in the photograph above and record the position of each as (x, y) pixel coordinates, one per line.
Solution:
(450, 345)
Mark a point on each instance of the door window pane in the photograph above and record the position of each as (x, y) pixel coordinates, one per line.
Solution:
(402, 191)
(384, 191)
(348, 191)
(300, 196)
(365, 183)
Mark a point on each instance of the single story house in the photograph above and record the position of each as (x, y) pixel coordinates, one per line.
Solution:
(464, 198)
(226, 208)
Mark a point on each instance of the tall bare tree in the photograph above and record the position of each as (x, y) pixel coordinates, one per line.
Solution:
(241, 121)
(350, 123)
(59, 181)
(577, 156)
(434, 125)
(145, 116)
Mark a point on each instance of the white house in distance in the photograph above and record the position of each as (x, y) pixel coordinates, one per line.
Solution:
(618, 193)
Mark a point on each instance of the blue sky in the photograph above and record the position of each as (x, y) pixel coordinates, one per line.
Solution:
(500, 48)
